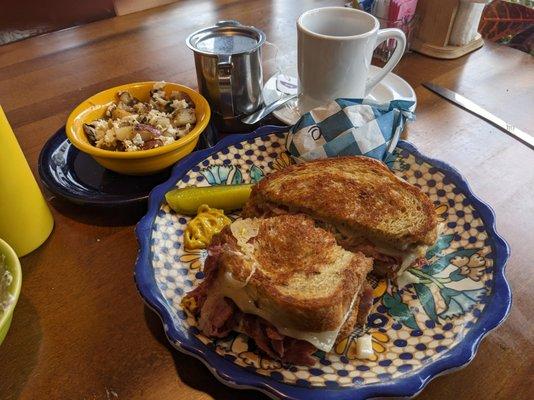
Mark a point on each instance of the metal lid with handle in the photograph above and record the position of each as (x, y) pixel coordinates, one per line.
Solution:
(226, 38)
(224, 73)
(228, 61)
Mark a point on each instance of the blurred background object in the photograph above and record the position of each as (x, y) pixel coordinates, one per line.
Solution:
(400, 14)
(24, 18)
(407, 25)
(509, 22)
(452, 28)
(465, 27)
(20, 19)
(123, 7)
(448, 28)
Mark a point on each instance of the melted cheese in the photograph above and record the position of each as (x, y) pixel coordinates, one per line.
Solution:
(234, 290)
(408, 256)
(243, 231)
(364, 347)
(405, 279)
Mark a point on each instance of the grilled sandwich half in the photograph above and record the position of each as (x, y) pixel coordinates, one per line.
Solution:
(361, 201)
(285, 283)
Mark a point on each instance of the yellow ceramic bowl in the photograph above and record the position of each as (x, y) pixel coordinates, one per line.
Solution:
(141, 162)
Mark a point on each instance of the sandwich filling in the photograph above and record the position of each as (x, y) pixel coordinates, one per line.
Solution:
(223, 303)
(218, 315)
(233, 290)
(388, 260)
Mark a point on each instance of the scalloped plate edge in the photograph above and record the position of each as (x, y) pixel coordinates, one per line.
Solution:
(234, 376)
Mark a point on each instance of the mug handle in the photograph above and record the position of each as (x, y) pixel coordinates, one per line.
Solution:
(224, 76)
(383, 35)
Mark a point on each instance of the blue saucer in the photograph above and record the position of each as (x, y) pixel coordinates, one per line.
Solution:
(76, 177)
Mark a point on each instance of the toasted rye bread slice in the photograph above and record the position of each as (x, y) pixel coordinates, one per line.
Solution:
(293, 271)
(358, 195)
(349, 325)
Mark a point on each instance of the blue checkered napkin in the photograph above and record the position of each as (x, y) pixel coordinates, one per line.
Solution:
(349, 127)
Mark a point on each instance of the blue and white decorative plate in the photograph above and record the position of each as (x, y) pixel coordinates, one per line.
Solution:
(418, 332)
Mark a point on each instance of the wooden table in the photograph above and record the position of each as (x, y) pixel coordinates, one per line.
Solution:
(80, 329)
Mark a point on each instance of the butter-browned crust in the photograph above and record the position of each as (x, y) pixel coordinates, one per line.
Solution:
(349, 325)
(296, 271)
(355, 193)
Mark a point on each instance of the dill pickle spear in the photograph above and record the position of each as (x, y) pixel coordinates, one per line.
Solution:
(227, 197)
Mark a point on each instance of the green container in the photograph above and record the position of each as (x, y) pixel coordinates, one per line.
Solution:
(13, 266)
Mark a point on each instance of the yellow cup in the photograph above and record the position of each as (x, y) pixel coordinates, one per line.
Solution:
(25, 219)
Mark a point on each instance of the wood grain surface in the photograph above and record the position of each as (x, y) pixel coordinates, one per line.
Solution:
(80, 329)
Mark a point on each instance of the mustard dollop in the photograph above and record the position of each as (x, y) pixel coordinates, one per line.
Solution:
(201, 229)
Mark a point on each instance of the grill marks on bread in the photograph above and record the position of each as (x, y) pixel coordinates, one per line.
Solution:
(360, 193)
(289, 261)
(297, 271)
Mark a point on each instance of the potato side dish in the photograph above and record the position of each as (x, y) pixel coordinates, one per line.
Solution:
(132, 125)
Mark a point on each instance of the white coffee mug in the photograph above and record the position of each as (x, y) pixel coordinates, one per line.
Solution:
(335, 48)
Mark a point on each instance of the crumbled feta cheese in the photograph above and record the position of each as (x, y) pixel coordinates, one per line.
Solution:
(166, 139)
(109, 137)
(100, 124)
(170, 131)
(138, 140)
(129, 120)
(179, 104)
(159, 85)
(130, 146)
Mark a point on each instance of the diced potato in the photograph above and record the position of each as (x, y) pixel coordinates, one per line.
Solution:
(126, 98)
(177, 95)
(184, 130)
(119, 113)
(123, 133)
(184, 116)
(141, 108)
(110, 109)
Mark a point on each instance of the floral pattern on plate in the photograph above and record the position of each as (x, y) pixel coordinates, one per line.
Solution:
(412, 327)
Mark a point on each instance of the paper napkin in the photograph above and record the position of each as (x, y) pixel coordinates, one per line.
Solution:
(349, 127)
